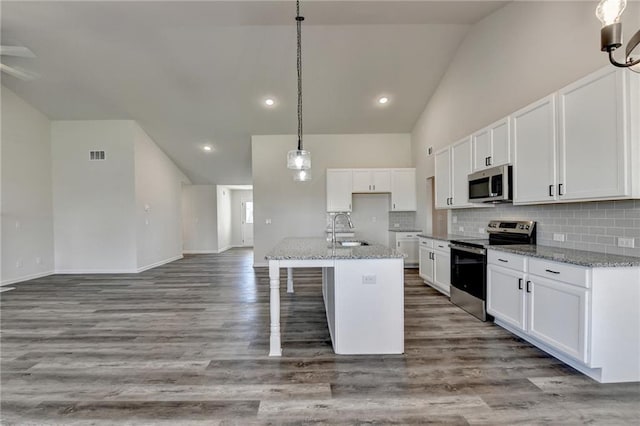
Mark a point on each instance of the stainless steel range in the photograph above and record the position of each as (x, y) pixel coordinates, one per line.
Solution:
(469, 262)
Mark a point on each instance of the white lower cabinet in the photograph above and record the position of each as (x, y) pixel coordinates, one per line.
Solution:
(435, 264)
(586, 317)
(505, 298)
(557, 315)
(407, 244)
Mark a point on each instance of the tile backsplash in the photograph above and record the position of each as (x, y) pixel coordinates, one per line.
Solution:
(405, 220)
(594, 226)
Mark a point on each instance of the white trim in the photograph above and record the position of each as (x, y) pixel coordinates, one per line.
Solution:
(95, 271)
(200, 251)
(162, 262)
(223, 249)
(27, 278)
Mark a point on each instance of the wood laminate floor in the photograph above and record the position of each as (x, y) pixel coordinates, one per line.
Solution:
(187, 343)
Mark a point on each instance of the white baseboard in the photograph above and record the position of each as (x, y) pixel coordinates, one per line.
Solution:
(260, 264)
(200, 251)
(26, 278)
(223, 249)
(95, 271)
(162, 262)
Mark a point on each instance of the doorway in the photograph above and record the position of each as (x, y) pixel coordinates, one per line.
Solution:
(246, 218)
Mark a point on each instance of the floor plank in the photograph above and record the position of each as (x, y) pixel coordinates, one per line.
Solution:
(187, 342)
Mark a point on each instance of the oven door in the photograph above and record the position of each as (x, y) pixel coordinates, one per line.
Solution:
(469, 270)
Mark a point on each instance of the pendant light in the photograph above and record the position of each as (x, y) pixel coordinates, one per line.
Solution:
(299, 159)
(609, 13)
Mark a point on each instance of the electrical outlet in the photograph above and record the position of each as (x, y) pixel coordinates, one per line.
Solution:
(481, 230)
(626, 242)
(267, 221)
(559, 237)
(460, 228)
(368, 279)
(374, 219)
(18, 224)
(454, 219)
(19, 263)
(396, 225)
(38, 260)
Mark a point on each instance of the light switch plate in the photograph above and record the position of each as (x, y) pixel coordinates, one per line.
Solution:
(559, 237)
(368, 279)
(454, 219)
(626, 242)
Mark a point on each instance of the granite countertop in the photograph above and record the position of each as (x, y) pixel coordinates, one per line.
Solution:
(577, 257)
(442, 237)
(405, 230)
(318, 248)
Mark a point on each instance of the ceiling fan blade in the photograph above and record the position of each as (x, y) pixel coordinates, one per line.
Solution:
(20, 73)
(21, 51)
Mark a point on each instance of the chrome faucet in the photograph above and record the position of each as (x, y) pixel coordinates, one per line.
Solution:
(333, 227)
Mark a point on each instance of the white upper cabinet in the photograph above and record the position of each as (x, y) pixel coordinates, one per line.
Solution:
(403, 190)
(339, 182)
(580, 144)
(460, 170)
(443, 178)
(453, 166)
(535, 146)
(491, 146)
(593, 136)
(371, 180)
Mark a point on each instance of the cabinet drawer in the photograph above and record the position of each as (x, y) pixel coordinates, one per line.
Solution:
(406, 235)
(426, 242)
(441, 246)
(507, 260)
(572, 274)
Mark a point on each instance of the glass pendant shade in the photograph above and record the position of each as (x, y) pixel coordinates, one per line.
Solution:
(299, 159)
(302, 175)
(609, 11)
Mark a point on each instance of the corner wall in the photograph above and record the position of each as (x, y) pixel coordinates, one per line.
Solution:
(158, 189)
(200, 219)
(520, 53)
(94, 201)
(224, 218)
(299, 208)
(27, 206)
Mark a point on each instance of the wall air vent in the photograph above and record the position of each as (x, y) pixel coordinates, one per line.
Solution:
(96, 155)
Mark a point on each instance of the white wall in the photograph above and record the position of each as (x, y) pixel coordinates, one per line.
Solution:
(224, 218)
(237, 198)
(158, 187)
(520, 53)
(94, 201)
(27, 210)
(299, 209)
(200, 219)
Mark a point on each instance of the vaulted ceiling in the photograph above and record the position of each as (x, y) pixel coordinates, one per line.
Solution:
(197, 73)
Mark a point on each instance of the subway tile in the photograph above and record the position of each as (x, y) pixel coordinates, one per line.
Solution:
(607, 240)
(625, 222)
(619, 232)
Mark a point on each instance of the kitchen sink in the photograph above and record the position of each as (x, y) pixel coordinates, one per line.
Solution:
(352, 243)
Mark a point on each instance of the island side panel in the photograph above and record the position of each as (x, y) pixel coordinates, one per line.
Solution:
(275, 348)
(369, 306)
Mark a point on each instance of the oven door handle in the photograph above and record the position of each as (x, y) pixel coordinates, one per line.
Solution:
(474, 250)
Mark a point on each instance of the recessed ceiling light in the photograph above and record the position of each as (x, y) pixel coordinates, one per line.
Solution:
(383, 100)
(269, 102)
(207, 148)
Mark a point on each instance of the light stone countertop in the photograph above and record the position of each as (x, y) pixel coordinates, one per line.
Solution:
(319, 248)
(443, 237)
(576, 257)
(405, 230)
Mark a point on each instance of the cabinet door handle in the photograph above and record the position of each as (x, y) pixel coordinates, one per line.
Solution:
(552, 272)
(503, 260)
(560, 189)
(394, 205)
(519, 283)
(374, 187)
(489, 160)
(550, 190)
(398, 243)
(528, 286)
(349, 206)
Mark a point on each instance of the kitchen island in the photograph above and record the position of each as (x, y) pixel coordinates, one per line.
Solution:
(363, 291)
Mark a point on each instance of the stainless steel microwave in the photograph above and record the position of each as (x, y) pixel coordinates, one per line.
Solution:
(491, 185)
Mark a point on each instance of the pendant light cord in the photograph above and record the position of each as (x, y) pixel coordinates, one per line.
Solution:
(299, 20)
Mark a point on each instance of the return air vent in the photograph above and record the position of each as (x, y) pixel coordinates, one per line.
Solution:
(96, 155)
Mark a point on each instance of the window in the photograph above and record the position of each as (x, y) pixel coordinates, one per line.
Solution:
(248, 212)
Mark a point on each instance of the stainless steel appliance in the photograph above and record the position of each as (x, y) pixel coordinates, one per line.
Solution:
(469, 262)
(491, 185)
